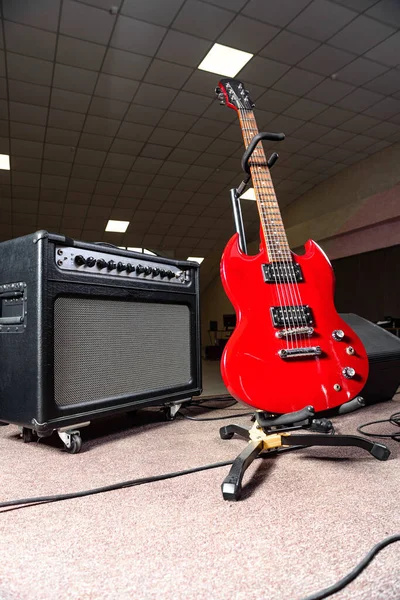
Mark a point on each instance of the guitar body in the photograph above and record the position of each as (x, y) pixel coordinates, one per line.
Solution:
(251, 367)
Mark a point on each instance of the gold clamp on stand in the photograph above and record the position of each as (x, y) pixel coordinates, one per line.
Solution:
(270, 435)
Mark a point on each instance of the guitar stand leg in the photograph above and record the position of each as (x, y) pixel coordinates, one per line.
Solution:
(227, 432)
(232, 484)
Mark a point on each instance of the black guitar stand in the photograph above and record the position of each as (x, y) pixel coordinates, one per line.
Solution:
(271, 435)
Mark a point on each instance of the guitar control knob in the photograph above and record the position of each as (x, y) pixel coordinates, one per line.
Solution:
(348, 372)
(130, 268)
(139, 269)
(147, 270)
(121, 267)
(156, 271)
(111, 265)
(90, 261)
(338, 335)
(80, 260)
(163, 273)
(101, 263)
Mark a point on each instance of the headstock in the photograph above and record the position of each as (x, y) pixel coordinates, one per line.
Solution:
(232, 93)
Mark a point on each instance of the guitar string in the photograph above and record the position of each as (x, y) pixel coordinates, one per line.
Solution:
(267, 234)
(287, 264)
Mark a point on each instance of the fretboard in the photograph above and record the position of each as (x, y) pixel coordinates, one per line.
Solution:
(276, 243)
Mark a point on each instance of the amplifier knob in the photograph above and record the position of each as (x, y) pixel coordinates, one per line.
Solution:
(139, 269)
(170, 274)
(156, 271)
(121, 267)
(147, 270)
(90, 261)
(80, 260)
(163, 273)
(130, 268)
(101, 263)
(111, 265)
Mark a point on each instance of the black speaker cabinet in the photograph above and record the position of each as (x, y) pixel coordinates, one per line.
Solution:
(88, 330)
(383, 349)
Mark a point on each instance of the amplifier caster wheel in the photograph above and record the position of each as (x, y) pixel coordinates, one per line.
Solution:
(28, 435)
(72, 441)
(170, 411)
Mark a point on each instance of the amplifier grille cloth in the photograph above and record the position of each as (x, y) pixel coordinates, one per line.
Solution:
(107, 348)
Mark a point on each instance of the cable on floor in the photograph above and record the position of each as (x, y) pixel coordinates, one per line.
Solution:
(394, 419)
(342, 583)
(201, 403)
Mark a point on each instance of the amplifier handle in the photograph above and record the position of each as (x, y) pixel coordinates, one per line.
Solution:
(16, 320)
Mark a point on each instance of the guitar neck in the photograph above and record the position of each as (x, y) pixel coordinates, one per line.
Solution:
(275, 240)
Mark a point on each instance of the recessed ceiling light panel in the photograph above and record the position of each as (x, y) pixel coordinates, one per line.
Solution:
(5, 162)
(117, 226)
(248, 195)
(226, 61)
(197, 259)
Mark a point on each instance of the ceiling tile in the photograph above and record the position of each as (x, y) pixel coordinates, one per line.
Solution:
(77, 198)
(183, 49)
(359, 124)
(387, 11)
(74, 79)
(135, 131)
(70, 100)
(359, 100)
(31, 70)
(359, 5)
(120, 146)
(387, 52)
(170, 167)
(108, 107)
(102, 200)
(337, 154)
(311, 132)
(183, 156)
(316, 150)
(125, 64)
(76, 17)
(85, 172)
(30, 165)
(153, 11)
(208, 127)
(289, 48)
(281, 15)
(50, 208)
(192, 141)
(387, 108)
(330, 91)
(285, 124)
(335, 137)
(297, 82)
(108, 188)
(118, 161)
(192, 104)
(97, 142)
(29, 179)
(361, 34)
(384, 130)
(276, 101)
(321, 19)
(53, 167)
(26, 148)
(262, 71)
(154, 95)
(168, 74)
(203, 20)
(155, 151)
(360, 71)
(247, 34)
(58, 152)
(388, 83)
(29, 41)
(377, 147)
(137, 36)
(147, 165)
(78, 53)
(27, 113)
(101, 125)
(111, 86)
(359, 143)
(62, 136)
(27, 132)
(105, 4)
(41, 13)
(201, 82)
(174, 120)
(146, 115)
(90, 157)
(326, 60)
(54, 182)
(63, 119)
(332, 117)
(81, 185)
(166, 137)
(37, 94)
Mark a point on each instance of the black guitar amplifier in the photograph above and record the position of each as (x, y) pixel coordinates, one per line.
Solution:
(87, 330)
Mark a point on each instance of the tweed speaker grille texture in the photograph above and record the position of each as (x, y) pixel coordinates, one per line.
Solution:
(108, 348)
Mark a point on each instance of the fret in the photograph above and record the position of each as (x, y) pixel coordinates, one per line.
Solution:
(275, 238)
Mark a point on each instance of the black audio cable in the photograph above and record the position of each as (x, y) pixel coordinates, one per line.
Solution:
(394, 419)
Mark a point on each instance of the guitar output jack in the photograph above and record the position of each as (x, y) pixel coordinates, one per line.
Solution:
(350, 350)
(337, 387)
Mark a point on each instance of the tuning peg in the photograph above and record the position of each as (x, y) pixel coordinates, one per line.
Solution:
(217, 90)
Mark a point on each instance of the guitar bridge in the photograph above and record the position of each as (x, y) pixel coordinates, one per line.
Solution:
(299, 352)
(289, 333)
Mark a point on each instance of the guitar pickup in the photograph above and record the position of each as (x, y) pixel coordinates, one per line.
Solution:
(299, 352)
(296, 316)
(282, 272)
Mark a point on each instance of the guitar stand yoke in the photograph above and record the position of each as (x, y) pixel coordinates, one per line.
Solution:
(272, 435)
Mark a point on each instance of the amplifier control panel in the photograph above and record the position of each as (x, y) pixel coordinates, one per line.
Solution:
(100, 263)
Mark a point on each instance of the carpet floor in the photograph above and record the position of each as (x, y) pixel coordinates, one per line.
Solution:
(306, 518)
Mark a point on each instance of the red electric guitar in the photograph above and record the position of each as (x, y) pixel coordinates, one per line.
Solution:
(290, 347)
